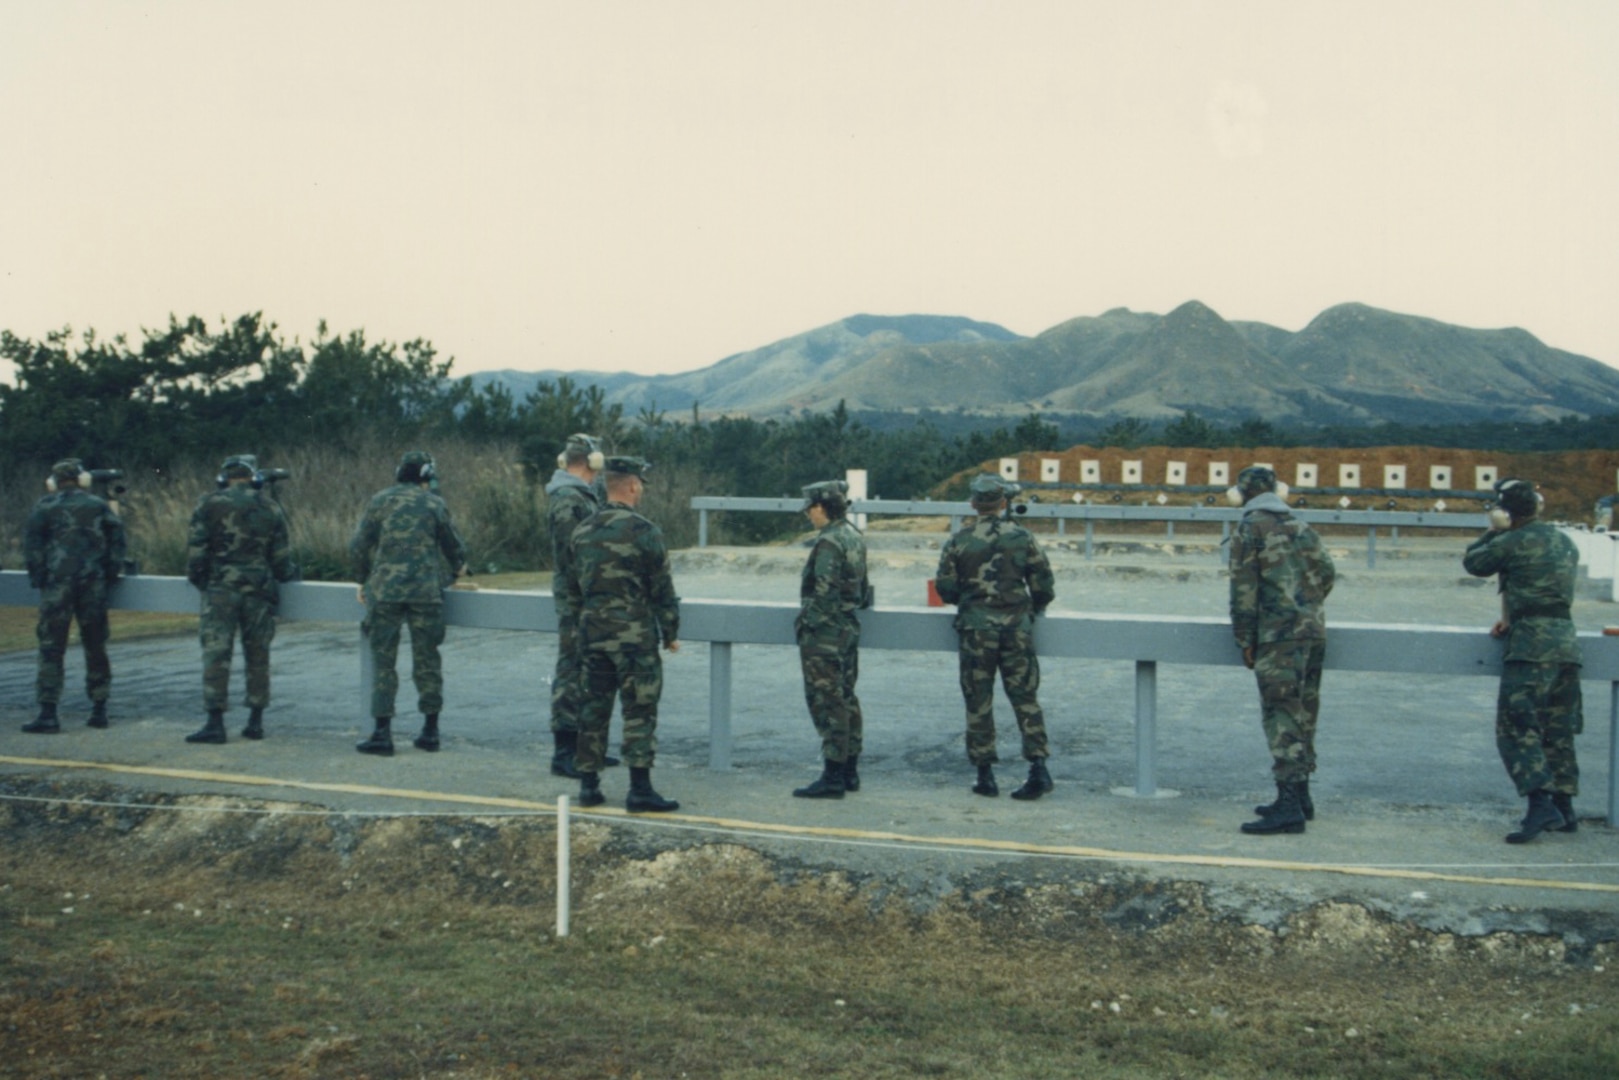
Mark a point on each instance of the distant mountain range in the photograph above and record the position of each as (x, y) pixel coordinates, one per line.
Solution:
(1351, 364)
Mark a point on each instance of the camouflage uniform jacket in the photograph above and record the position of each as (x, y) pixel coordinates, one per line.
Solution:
(1280, 576)
(834, 584)
(620, 583)
(72, 536)
(1537, 565)
(996, 574)
(568, 502)
(238, 540)
(406, 550)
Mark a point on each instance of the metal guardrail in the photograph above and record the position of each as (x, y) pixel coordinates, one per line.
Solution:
(1146, 641)
(1090, 513)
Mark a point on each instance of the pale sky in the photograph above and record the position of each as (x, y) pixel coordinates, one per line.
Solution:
(651, 186)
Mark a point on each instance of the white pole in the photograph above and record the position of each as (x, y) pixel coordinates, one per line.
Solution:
(563, 870)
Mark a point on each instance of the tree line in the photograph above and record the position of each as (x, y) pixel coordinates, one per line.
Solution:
(193, 391)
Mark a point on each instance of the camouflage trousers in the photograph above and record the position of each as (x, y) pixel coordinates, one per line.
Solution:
(224, 612)
(830, 659)
(1537, 714)
(1289, 675)
(383, 621)
(634, 678)
(1009, 652)
(60, 604)
(568, 683)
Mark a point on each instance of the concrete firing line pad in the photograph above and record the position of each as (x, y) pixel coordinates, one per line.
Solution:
(1413, 800)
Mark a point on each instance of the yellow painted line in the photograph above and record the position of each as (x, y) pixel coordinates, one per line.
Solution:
(821, 831)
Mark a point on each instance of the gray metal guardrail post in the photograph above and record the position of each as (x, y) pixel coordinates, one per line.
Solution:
(1146, 728)
(719, 705)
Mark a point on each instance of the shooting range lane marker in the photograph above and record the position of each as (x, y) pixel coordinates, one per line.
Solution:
(1011, 847)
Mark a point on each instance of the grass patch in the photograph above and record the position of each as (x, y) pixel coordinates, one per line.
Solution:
(191, 945)
(17, 626)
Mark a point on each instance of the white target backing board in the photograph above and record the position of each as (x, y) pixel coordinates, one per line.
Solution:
(1349, 476)
(1175, 472)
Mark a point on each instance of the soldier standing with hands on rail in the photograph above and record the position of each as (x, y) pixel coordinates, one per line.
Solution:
(1280, 578)
(1539, 709)
(237, 551)
(999, 580)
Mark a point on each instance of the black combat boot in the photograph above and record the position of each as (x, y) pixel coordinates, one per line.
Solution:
(1288, 817)
(1565, 806)
(642, 799)
(1038, 783)
(565, 746)
(45, 723)
(255, 724)
(590, 790)
(211, 732)
(1306, 803)
(829, 785)
(986, 782)
(381, 740)
(851, 773)
(98, 714)
(427, 738)
(1543, 814)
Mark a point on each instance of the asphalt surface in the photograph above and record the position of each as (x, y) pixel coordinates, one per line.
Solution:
(1412, 799)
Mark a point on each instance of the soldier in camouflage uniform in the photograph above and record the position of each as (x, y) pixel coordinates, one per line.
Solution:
(73, 547)
(999, 580)
(237, 551)
(570, 498)
(1538, 709)
(1280, 577)
(627, 604)
(406, 552)
(831, 590)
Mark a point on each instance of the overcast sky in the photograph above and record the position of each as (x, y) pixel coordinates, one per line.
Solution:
(652, 186)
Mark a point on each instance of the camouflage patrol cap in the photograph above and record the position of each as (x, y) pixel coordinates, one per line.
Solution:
(989, 488)
(627, 466)
(1518, 498)
(239, 465)
(835, 492)
(67, 469)
(1256, 479)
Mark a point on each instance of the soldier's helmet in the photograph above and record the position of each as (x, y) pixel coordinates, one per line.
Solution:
(1518, 498)
(1255, 480)
(415, 467)
(238, 466)
(988, 489)
(833, 495)
(623, 465)
(68, 472)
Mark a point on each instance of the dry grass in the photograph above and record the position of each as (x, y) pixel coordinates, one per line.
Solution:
(161, 943)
